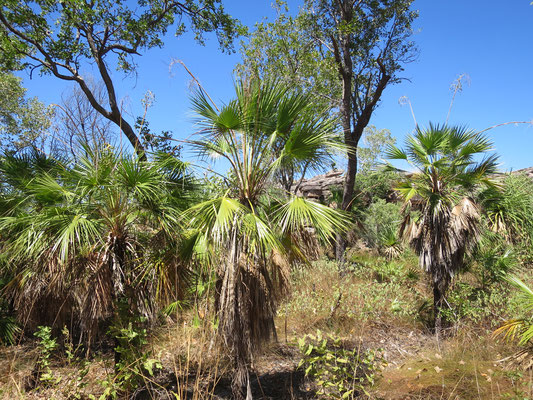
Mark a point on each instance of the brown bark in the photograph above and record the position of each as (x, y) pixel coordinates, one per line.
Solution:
(351, 139)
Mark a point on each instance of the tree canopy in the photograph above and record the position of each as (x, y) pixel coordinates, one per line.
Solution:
(345, 52)
(61, 38)
(23, 121)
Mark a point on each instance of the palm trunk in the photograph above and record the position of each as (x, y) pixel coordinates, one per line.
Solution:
(437, 307)
(231, 310)
(245, 307)
(439, 303)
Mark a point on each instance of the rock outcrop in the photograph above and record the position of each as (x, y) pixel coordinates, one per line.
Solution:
(526, 171)
(319, 187)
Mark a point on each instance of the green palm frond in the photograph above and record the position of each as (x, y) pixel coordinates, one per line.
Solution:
(215, 217)
(394, 153)
(525, 291)
(299, 213)
(249, 234)
(519, 328)
(91, 229)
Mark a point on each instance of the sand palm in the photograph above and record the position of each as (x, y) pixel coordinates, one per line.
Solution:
(252, 225)
(81, 239)
(446, 173)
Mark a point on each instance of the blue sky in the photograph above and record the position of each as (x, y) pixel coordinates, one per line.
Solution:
(489, 40)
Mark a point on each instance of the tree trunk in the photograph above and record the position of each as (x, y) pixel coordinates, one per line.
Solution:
(439, 303)
(351, 139)
(438, 300)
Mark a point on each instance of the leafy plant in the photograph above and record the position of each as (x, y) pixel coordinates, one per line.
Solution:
(509, 208)
(381, 223)
(80, 237)
(339, 372)
(521, 328)
(46, 347)
(493, 259)
(252, 231)
(9, 329)
(134, 365)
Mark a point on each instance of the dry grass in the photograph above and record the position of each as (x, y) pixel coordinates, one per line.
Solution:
(456, 369)
(375, 305)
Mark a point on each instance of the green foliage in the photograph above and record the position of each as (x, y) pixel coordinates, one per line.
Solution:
(300, 50)
(448, 224)
(521, 328)
(468, 303)
(23, 121)
(493, 259)
(63, 38)
(97, 231)
(375, 185)
(328, 46)
(250, 230)
(509, 208)
(381, 223)
(286, 50)
(339, 372)
(375, 141)
(136, 366)
(9, 329)
(156, 143)
(47, 345)
(59, 36)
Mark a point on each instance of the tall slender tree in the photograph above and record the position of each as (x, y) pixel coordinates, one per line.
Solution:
(346, 53)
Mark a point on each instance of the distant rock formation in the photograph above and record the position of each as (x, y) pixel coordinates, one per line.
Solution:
(319, 187)
(526, 171)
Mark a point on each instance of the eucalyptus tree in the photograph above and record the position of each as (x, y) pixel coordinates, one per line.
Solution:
(83, 241)
(252, 226)
(24, 122)
(61, 38)
(345, 53)
(440, 191)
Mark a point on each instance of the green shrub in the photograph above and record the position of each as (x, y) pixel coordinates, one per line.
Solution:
(467, 302)
(47, 345)
(339, 372)
(509, 209)
(134, 365)
(492, 259)
(381, 224)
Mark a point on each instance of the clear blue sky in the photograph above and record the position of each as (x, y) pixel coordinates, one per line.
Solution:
(489, 40)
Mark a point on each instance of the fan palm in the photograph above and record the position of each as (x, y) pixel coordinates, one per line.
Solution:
(509, 210)
(523, 327)
(82, 239)
(252, 225)
(446, 173)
